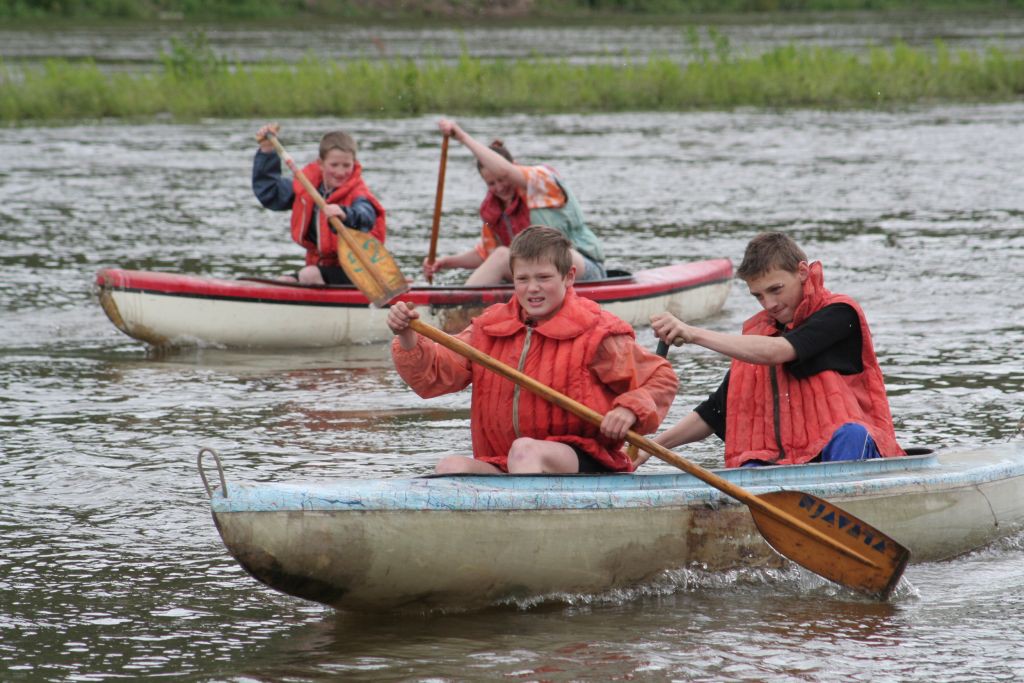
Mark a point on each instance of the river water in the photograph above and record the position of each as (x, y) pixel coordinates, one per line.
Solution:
(110, 565)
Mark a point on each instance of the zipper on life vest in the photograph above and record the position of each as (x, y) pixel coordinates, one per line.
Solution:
(522, 364)
(776, 419)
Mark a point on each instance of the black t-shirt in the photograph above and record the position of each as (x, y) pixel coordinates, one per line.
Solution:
(829, 339)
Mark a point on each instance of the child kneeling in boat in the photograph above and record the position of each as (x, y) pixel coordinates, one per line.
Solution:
(563, 340)
(338, 176)
(804, 384)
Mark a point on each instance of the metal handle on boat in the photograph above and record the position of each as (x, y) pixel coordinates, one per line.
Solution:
(220, 471)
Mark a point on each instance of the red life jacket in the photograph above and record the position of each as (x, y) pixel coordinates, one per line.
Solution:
(558, 353)
(505, 221)
(775, 417)
(324, 251)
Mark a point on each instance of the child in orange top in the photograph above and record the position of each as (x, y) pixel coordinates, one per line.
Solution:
(565, 341)
(517, 197)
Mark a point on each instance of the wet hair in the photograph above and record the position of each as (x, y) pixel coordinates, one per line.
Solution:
(768, 251)
(498, 146)
(337, 139)
(541, 243)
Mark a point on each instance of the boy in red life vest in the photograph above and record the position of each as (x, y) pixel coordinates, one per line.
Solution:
(804, 384)
(560, 339)
(339, 178)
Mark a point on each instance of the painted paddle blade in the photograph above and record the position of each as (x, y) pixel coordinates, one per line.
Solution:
(370, 267)
(867, 560)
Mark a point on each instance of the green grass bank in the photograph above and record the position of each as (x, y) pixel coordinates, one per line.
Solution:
(455, 9)
(193, 83)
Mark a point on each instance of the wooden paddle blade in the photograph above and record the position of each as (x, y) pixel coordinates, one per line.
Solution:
(869, 562)
(370, 267)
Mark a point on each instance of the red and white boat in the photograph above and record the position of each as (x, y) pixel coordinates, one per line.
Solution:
(166, 309)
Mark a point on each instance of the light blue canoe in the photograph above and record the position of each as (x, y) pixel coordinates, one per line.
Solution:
(468, 541)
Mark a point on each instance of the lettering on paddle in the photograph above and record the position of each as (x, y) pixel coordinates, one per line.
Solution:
(824, 514)
(357, 266)
(374, 247)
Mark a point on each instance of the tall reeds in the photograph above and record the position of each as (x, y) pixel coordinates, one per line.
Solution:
(191, 82)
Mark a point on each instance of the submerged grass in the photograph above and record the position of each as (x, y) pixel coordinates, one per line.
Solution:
(193, 83)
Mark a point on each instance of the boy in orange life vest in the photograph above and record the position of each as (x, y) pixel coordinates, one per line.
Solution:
(804, 384)
(565, 341)
(339, 178)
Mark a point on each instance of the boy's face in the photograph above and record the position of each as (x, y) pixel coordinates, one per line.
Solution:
(337, 167)
(540, 288)
(779, 291)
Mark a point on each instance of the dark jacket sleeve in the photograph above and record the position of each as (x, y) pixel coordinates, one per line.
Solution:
(712, 410)
(360, 215)
(274, 191)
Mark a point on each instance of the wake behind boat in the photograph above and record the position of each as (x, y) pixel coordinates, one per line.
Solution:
(166, 309)
(473, 540)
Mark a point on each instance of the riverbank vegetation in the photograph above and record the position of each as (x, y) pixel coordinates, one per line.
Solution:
(193, 82)
(456, 9)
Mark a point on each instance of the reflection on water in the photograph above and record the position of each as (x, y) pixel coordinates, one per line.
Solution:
(110, 564)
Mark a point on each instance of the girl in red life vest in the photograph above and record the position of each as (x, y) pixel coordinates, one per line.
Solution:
(338, 176)
(804, 384)
(562, 340)
(518, 196)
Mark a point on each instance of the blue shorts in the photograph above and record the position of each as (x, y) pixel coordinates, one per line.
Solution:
(849, 442)
(593, 269)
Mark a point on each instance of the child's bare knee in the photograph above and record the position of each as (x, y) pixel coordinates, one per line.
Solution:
(522, 454)
(450, 464)
(310, 275)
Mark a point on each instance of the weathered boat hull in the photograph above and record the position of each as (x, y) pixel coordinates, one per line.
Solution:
(473, 540)
(168, 309)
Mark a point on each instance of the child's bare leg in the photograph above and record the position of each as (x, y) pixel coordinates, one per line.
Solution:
(310, 275)
(459, 464)
(493, 271)
(534, 456)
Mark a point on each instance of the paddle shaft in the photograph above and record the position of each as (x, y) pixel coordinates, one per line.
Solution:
(595, 418)
(436, 227)
(321, 203)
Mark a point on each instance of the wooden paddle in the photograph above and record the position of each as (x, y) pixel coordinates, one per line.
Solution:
(432, 254)
(365, 260)
(808, 530)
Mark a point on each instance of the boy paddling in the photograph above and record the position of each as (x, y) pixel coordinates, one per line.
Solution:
(804, 384)
(558, 338)
(338, 176)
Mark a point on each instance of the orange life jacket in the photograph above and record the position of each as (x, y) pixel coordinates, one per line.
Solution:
(775, 417)
(324, 251)
(558, 353)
